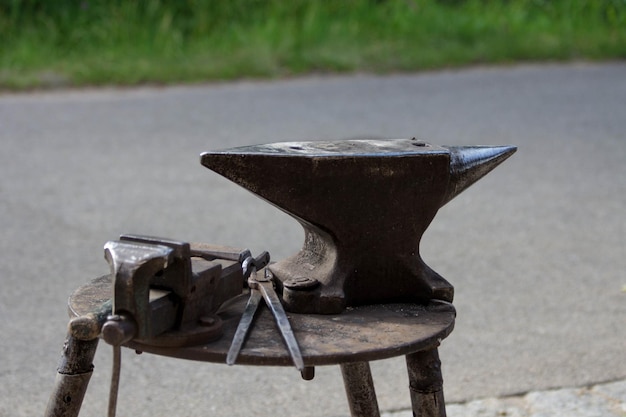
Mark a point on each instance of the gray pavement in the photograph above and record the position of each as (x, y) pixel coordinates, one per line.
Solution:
(604, 400)
(536, 250)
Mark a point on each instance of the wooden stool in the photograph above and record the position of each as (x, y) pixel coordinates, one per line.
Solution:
(351, 340)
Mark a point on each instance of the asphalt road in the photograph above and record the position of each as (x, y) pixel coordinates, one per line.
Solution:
(536, 250)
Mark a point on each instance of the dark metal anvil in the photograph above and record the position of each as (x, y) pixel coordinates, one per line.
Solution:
(364, 206)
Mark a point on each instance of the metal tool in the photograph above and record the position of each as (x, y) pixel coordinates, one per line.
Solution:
(364, 206)
(262, 287)
(167, 293)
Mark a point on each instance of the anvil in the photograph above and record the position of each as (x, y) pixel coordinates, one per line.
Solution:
(364, 206)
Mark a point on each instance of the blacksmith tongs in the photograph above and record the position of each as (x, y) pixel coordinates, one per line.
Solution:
(263, 287)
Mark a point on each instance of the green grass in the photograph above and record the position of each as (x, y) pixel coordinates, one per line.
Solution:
(69, 42)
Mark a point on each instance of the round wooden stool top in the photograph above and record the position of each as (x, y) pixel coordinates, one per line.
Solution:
(359, 334)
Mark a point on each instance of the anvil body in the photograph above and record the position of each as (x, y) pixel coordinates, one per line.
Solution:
(364, 206)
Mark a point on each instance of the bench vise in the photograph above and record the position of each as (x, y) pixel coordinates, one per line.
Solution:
(165, 292)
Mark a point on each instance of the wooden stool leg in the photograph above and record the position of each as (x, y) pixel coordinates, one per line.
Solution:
(73, 376)
(426, 384)
(357, 379)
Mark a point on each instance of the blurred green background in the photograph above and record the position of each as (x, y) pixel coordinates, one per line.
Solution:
(46, 44)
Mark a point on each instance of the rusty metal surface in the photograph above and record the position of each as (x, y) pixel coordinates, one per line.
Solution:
(364, 206)
(166, 292)
(133, 267)
(363, 333)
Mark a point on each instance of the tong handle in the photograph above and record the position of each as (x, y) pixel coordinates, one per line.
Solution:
(266, 287)
(263, 287)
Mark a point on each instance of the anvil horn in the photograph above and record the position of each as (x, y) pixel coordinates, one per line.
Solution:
(468, 164)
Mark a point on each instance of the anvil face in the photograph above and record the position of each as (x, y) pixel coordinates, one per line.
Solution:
(364, 206)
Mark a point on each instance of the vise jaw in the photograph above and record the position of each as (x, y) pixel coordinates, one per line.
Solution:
(167, 293)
